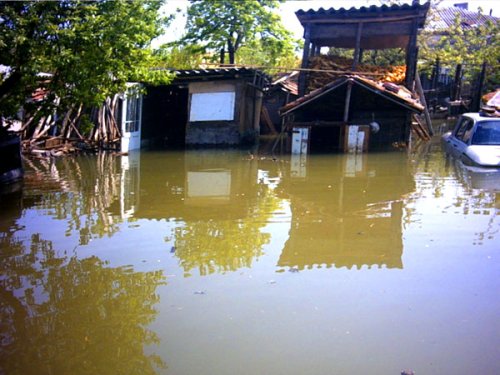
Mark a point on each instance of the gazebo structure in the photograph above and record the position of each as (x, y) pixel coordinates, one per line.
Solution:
(354, 109)
(361, 29)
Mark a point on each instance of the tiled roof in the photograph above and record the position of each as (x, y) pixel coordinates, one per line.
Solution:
(445, 17)
(365, 82)
(288, 82)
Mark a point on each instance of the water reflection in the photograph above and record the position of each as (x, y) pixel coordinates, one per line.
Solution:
(85, 192)
(64, 315)
(347, 212)
(218, 203)
(88, 244)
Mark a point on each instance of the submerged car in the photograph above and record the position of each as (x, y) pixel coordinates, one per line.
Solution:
(475, 140)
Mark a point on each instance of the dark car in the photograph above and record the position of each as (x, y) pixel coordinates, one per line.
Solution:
(475, 140)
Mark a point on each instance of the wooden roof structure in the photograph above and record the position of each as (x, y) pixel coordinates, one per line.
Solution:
(369, 85)
(382, 27)
(374, 27)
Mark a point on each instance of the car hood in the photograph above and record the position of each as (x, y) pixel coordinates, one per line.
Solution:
(488, 156)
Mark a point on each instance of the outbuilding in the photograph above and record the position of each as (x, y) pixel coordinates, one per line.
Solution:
(344, 104)
(204, 107)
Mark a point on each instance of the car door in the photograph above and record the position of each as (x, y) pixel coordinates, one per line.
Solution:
(460, 138)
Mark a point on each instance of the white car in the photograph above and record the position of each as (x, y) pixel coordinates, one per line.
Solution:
(475, 140)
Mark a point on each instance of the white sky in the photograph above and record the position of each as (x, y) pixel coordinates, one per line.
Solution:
(288, 9)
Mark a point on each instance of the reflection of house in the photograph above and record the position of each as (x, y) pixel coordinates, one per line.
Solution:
(350, 217)
(197, 186)
(204, 107)
(355, 97)
(211, 196)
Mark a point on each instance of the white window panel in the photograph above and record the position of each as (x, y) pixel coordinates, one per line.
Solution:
(212, 106)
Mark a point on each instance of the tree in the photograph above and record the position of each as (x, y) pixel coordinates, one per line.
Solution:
(180, 57)
(275, 53)
(463, 44)
(222, 26)
(89, 49)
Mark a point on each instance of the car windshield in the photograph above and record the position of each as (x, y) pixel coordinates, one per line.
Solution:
(487, 133)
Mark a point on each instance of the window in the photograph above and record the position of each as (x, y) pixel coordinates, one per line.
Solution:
(487, 133)
(133, 114)
(212, 106)
(464, 131)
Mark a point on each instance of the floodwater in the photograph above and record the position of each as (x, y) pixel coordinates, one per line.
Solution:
(223, 262)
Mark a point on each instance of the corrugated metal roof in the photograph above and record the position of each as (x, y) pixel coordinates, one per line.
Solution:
(364, 12)
(229, 72)
(445, 17)
(363, 9)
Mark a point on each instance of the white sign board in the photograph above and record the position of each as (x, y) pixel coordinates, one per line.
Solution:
(212, 106)
(300, 138)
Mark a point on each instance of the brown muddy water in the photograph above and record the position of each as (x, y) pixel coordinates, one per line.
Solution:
(217, 262)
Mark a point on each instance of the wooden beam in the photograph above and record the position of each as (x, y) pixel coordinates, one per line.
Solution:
(420, 91)
(347, 101)
(354, 20)
(411, 57)
(357, 46)
(305, 60)
(318, 123)
(380, 30)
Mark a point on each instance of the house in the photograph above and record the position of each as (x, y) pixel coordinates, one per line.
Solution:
(204, 107)
(355, 107)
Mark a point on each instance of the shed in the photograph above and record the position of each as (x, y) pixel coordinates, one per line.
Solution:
(219, 106)
(352, 106)
(373, 27)
(377, 110)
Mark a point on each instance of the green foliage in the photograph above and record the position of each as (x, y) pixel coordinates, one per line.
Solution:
(272, 53)
(90, 48)
(378, 57)
(469, 46)
(180, 57)
(226, 25)
(385, 57)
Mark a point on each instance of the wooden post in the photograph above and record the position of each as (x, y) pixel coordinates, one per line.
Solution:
(477, 98)
(457, 83)
(435, 80)
(411, 56)
(305, 60)
(420, 91)
(357, 47)
(347, 101)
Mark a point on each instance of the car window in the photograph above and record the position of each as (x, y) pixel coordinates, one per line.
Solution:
(464, 130)
(487, 133)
